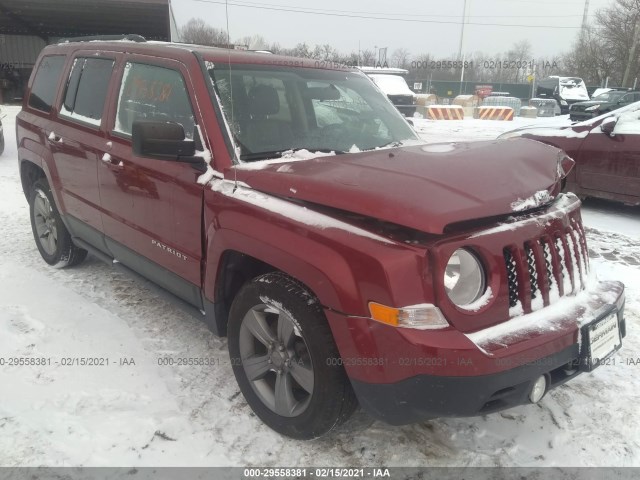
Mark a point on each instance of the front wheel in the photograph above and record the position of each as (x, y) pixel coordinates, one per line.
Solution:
(52, 237)
(285, 359)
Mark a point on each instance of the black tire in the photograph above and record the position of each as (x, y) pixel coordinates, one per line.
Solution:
(54, 243)
(332, 400)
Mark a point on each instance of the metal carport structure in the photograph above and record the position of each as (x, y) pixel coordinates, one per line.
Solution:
(27, 26)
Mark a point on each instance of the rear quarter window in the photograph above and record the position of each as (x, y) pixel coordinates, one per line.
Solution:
(45, 83)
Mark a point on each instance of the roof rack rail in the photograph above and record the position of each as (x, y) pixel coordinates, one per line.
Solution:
(105, 38)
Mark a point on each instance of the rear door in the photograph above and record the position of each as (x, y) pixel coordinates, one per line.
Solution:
(152, 209)
(609, 167)
(77, 139)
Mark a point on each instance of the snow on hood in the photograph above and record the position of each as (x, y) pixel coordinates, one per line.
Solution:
(537, 199)
(561, 131)
(289, 155)
(419, 189)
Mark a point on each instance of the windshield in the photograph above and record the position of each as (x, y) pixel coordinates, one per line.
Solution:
(391, 84)
(609, 96)
(276, 109)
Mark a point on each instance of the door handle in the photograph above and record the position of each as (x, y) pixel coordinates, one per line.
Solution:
(53, 138)
(106, 158)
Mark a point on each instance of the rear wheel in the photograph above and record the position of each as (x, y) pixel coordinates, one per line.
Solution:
(285, 360)
(52, 237)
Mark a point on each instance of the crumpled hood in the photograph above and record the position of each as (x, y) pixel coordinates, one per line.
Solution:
(422, 187)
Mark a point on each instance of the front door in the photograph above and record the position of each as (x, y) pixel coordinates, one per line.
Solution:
(609, 166)
(152, 209)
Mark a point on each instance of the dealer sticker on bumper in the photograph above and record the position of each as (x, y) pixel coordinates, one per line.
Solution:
(603, 338)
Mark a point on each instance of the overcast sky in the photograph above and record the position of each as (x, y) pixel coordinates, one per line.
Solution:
(344, 30)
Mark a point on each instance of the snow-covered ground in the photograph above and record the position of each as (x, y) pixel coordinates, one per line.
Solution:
(474, 129)
(146, 414)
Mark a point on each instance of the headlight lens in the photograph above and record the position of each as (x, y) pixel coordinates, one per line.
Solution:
(464, 278)
(563, 103)
(592, 109)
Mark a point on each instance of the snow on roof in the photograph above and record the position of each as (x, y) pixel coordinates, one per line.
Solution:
(391, 84)
(385, 70)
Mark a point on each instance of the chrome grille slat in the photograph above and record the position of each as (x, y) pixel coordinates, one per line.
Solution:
(555, 265)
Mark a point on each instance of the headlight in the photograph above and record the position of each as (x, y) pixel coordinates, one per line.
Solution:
(563, 103)
(464, 278)
(592, 109)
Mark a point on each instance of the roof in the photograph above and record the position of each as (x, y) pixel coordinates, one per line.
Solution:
(384, 71)
(213, 54)
(72, 18)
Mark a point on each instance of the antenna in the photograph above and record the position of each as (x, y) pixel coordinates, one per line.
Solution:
(235, 153)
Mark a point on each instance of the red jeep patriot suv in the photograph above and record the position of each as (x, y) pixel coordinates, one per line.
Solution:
(296, 211)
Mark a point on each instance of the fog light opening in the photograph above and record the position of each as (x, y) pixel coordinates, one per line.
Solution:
(538, 390)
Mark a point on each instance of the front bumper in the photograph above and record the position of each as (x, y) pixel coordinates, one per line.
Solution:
(446, 377)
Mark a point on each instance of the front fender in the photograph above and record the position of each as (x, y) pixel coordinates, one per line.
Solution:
(345, 267)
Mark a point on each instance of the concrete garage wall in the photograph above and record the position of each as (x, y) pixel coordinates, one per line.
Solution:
(26, 26)
(20, 49)
(18, 54)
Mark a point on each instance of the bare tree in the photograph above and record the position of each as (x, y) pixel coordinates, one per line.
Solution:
(367, 58)
(254, 42)
(400, 57)
(590, 59)
(519, 57)
(198, 32)
(619, 33)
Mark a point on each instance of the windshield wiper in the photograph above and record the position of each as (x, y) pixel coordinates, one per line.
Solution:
(277, 154)
(394, 143)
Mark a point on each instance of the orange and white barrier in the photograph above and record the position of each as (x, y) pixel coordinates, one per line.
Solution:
(445, 112)
(494, 113)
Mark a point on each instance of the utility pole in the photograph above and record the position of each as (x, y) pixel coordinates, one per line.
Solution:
(585, 16)
(632, 53)
(464, 20)
(461, 56)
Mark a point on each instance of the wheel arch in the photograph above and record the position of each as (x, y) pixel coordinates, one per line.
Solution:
(29, 173)
(234, 258)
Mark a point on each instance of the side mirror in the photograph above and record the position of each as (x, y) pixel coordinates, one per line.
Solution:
(607, 126)
(163, 141)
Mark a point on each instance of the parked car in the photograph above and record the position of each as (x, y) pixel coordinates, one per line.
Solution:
(603, 103)
(346, 261)
(547, 107)
(392, 82)
(606, 150)
(565, 90)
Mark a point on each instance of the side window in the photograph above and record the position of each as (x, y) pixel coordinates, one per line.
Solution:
(46, 81)
(149, 92)
(87, 88)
